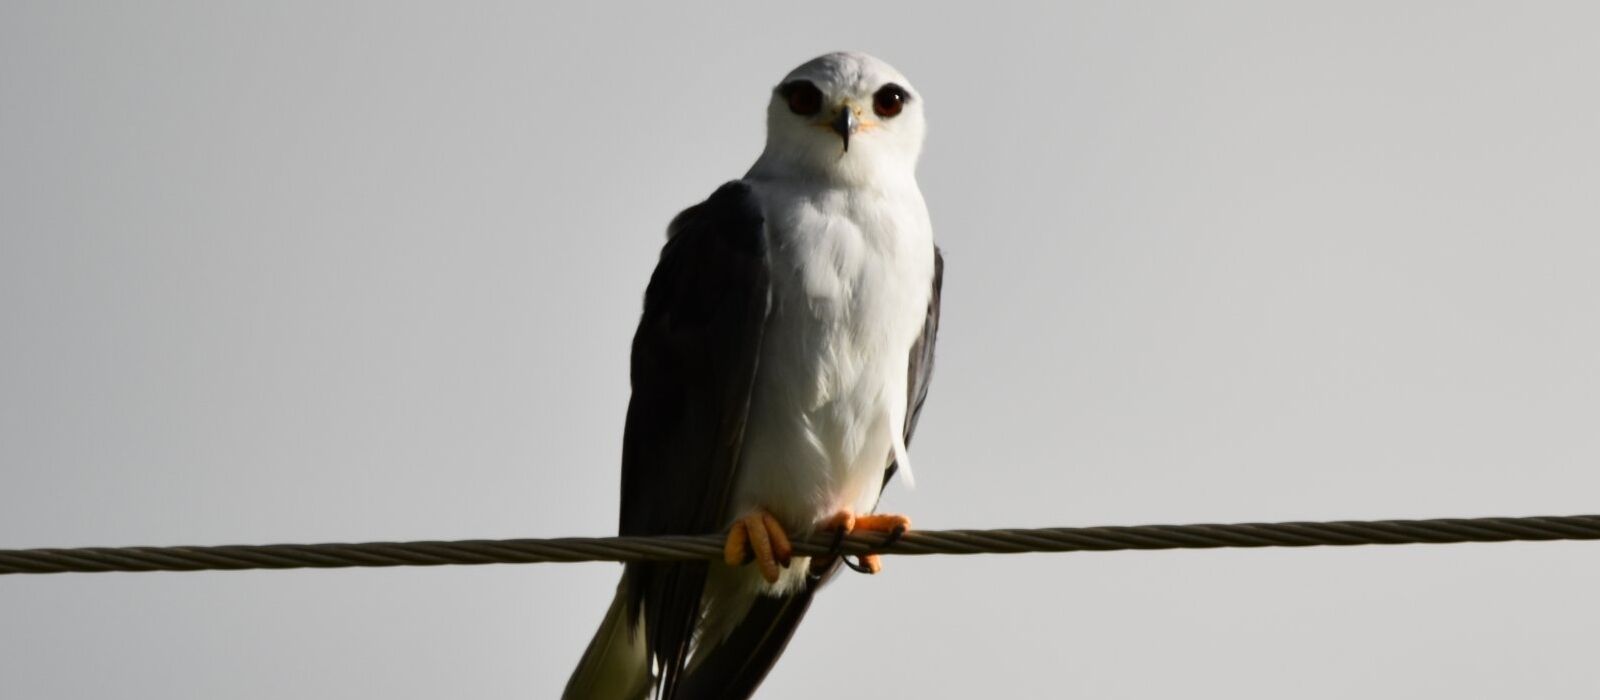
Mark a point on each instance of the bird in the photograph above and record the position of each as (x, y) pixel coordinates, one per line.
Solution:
(778, 372)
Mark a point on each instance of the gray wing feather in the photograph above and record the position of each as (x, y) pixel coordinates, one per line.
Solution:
(693, 366)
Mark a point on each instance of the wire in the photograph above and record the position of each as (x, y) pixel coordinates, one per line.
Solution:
(702, 547)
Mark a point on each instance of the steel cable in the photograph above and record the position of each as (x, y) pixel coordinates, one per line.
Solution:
(702, 547)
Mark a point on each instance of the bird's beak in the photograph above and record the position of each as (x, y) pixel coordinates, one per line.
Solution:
(846, 124)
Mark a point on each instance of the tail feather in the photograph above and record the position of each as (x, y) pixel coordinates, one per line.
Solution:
(616, 666)
(735, 668)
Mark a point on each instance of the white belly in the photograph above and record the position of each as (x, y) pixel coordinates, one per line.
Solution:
(850, 276)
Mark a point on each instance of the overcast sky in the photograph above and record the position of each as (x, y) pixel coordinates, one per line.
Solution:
(300, 272)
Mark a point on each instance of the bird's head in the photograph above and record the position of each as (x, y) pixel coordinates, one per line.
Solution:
(847, 116)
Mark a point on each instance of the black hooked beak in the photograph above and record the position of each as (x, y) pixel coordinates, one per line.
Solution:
(846, 124)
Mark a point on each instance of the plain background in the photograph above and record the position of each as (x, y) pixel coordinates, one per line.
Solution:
(306, 272)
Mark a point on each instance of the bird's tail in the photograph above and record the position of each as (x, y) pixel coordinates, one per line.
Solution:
(616, 666)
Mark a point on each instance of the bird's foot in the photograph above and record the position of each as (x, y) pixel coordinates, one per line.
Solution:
(758, 536)
(845, 522)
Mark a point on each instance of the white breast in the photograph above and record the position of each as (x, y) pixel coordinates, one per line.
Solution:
(851, 273)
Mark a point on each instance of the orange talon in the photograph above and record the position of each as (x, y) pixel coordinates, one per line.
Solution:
(733, 551)
(842, 521)
(782, 550)
(846, 522)
(882, 522)
(760, 534)
(871, 562)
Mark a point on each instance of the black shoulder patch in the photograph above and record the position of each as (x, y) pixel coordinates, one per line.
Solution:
(734, 211)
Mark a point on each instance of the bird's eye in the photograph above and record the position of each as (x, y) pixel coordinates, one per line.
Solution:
(803, 97)
(889, 100)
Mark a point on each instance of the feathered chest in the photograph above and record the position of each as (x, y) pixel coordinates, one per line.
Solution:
(851, 274)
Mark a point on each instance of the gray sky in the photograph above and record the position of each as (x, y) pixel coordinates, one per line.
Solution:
(299, 272)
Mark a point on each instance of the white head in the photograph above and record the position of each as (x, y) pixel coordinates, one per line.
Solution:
(843, 116)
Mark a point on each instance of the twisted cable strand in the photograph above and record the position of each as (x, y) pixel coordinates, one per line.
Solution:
(703, 547)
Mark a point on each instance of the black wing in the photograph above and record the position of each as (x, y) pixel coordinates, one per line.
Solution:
(694, 361)
(737, 666)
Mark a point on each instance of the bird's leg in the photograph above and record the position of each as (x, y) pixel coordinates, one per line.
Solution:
(845, 522)
(758, 534)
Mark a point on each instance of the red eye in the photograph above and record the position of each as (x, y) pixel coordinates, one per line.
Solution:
(889, 100)
(803, 97)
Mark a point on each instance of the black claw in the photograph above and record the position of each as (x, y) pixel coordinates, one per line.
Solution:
(894, 536)
(858, 568)
(838, 543)
(836, 549)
